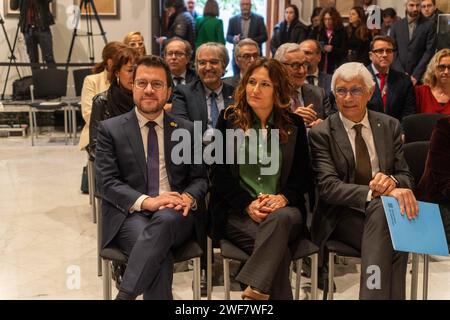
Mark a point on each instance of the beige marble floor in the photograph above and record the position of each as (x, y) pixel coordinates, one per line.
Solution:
(48, 241)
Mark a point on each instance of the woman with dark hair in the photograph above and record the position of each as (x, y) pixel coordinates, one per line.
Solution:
(331, 36)
(209, 28)
(315, 21)
(94, 84)
(118, 99)
(288, 30)
(358, 37)
(259, 210)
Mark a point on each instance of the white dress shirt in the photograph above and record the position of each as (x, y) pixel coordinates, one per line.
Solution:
(164, 185)
(367, 135)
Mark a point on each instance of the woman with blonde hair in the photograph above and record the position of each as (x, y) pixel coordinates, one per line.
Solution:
(135, 40)
(434, 95)
(259, 211)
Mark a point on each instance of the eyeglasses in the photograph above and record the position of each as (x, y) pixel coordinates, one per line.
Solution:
(355, 92)
(297, 65)
(177, 54)
(136, 44)
(443, 67)
(143, 84)
(248, 56)
(213, 62)
(380, 51)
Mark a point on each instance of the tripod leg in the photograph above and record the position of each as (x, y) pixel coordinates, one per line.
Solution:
(98, 21)
(12, 57)
(74, 34)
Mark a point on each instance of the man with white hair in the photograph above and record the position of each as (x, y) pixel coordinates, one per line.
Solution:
(310, 102)
(357, 158)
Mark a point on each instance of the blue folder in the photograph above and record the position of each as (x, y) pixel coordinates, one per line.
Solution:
(424, 234)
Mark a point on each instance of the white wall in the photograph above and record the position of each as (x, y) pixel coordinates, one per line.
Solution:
(134, 15)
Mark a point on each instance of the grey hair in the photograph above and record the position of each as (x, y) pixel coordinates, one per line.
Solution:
(219, 48)
(286, 48)
(242, 43)
(350, 71)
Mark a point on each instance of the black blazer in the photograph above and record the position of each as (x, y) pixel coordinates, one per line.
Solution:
(189, 101)
(334, 168)
(43, 19)
(257, 30)
(121, 170)
(318, 98)
(413, 56)
(338, 41)
(228, 197)
(401, 99)
(297, 33)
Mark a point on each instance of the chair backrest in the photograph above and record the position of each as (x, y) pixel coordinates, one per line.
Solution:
(416, 156)
(418, 127)
(78, 79)
(49, 83)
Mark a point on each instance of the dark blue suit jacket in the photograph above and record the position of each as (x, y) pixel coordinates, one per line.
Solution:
(121, 169)
(256, 32)
(401, 99)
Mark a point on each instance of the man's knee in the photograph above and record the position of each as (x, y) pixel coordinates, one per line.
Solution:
(375, 216)
(286, 216)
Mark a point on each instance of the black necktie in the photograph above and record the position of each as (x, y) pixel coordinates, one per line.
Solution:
(310, 79)
(363, 172)
(177, 80)
(152, 160)
(214, 109)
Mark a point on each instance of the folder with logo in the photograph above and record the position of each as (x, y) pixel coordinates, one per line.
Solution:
(424, 234)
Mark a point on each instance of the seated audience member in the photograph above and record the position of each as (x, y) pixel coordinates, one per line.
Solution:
(389, 16)
(434, 95)
(358, 37)
(209, 28)
(177, 54)
(245, 53)
(94, 84)
(357, 157)
(263, 213)
(331, 36)
(415, 37)
(290, 30)
(148, 202)
(308, 101)
(135, 40)
(118, 99)
(435, 183)
(394, 92)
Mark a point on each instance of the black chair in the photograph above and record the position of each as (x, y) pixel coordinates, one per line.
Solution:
(418, 127)
(112, 254)
(49, 85)
(416, 156)
(304, 248)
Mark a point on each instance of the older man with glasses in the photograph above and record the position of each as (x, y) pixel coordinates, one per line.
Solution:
(245, 53)
(177, 54)
(310, 102)
(394, 91)
(357, 157)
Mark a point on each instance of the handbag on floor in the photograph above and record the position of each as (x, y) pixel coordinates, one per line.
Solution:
(84, 181)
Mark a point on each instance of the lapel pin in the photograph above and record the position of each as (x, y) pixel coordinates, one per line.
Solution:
(173, 124)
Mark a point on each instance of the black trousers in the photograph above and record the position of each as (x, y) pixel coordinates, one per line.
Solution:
(148, 240)
(445, 215)
(369, 233)
(267, 243)
(43, 38)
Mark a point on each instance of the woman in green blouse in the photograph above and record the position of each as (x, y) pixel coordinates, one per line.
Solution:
(209, 28)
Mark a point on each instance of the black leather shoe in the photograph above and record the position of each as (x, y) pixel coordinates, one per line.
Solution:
(117, 273)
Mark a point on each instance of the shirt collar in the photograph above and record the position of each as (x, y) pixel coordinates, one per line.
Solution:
(376, 72)
(142, 121)
(257, 122)
(182, 75)
(218, 91)
(348, 124)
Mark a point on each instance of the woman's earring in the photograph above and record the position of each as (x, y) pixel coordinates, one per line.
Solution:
(118, 81)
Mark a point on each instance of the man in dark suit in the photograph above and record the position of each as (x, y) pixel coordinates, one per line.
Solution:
(177, 54)
(148, 201)
(357, 157)
(394, 93)
(245, 53)
(311, 102)
(247, 24)
(201, 101)
(415, 37)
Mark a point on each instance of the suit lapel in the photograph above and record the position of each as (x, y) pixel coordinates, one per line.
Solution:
(377, 94)
(287, 155)
(341, 137)
(133, 133)
(200, 96)
(390, 92)
(227, 93)
(169, 126)
(378, 139)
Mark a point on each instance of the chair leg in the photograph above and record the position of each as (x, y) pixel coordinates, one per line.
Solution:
(314, 275)
(97, 202)
(298, 277)
(107, 295)
(90, 186)
(414, 275)
(30, 119)
(74, 124)
(291, 271)
(209, 255)
(425, 276)
(66, 122)
(330, 275)
(226, 278)
(196, 290)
